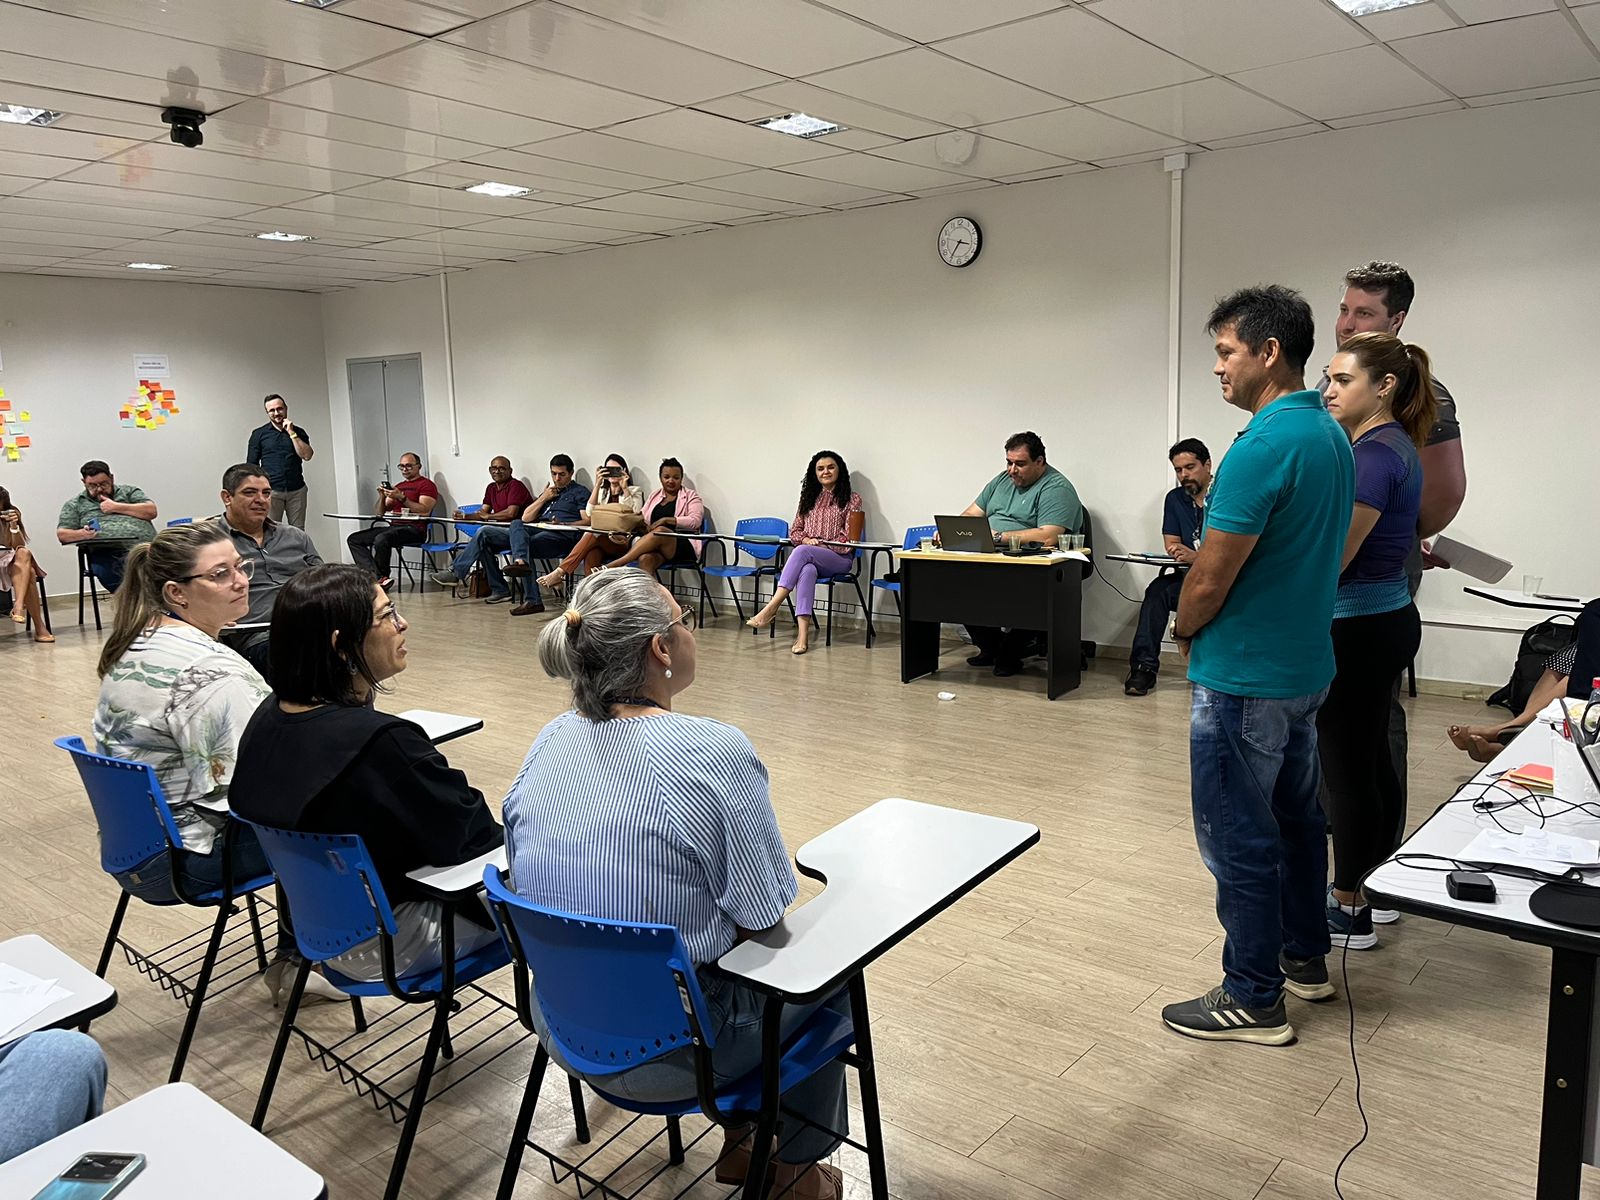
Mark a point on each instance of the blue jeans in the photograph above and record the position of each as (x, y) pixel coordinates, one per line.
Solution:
(107, 566)
(528, 543)
(1160, 599)
(735, 1012)
(1254, 776)
(50, 1082)
(484, 547)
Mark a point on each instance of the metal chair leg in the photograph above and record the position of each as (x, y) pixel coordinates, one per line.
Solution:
(674, 1141)
(197, 999)
(867, 1078)
(360, 1016)
(519, 1131)
(580, 1115)
(111, 943)
(255, 928)
(419, 1098)
(275, 1063)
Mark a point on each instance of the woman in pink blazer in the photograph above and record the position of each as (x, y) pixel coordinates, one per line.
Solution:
(671, 510)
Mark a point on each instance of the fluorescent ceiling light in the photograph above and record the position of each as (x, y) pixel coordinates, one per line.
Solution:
(800, 125)
(19, 115)
(277, 235)
(149, 266)
(1365, 8)
(490, 188)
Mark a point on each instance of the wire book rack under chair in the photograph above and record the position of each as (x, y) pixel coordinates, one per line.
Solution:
(136, 829)
(615, 995)
(339, 903)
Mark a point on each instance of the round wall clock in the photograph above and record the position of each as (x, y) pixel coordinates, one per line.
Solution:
(959, 241)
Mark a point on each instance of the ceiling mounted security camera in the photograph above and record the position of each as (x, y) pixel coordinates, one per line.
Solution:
(185, 124)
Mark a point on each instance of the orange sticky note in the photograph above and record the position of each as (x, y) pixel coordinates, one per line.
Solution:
(173, 410)
(24, 440)
(5, 406)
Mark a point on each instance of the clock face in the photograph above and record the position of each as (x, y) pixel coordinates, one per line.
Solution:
(959, 241)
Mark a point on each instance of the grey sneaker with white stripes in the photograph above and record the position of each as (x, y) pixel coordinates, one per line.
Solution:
(1217, 1017)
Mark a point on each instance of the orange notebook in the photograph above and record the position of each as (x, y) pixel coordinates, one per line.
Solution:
(1532, 775)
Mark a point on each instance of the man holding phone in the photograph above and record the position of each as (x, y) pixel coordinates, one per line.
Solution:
(406, 505)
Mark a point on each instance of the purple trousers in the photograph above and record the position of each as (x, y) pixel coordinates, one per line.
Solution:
(800, 571)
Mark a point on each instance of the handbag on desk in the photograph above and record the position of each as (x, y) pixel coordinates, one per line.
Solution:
(615, 518)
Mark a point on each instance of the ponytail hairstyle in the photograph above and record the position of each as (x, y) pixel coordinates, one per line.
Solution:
(141, 600)
(1415, 404)
(601, 645)
(811, 488)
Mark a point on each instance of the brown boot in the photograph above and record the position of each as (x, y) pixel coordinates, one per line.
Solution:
(734, 1163)
(807, 1181)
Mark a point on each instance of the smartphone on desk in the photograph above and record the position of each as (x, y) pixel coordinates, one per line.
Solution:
(97, 1176)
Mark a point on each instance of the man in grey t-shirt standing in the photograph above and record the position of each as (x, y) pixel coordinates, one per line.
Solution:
(1377, 297)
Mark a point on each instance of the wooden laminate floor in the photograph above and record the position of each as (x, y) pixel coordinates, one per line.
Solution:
(1021, 1050)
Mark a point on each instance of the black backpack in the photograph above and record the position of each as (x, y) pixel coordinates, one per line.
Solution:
(1539, 643)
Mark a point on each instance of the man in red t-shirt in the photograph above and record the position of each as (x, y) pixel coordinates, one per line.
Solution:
(504, 498)
(406, 505)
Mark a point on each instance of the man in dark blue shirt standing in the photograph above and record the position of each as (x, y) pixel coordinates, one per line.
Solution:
(1181, 519)
(279, 448)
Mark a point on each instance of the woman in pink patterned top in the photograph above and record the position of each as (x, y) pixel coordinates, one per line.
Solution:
(829, 513)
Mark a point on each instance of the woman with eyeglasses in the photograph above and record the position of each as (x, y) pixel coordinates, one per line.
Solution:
(626, 810)
(173, 696)
(317, 757)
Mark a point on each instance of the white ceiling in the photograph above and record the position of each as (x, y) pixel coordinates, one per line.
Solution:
(359, 124)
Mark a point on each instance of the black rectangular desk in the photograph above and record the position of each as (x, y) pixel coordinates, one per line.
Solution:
(939, 586)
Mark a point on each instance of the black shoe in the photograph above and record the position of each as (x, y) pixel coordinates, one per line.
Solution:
(1217, 1017)
(981, 659)
(527, 608)
(1139, 682)
(516, 570)
(1306, 977)
(1004, 670)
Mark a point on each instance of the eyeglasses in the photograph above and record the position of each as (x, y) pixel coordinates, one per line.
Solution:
(245, 567)
(685, 618)
(388, 613)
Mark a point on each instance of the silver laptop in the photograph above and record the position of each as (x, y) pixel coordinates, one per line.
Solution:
(966, 535)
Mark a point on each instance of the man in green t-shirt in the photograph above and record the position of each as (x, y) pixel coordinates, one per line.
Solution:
(106, 511)
(1033, 499)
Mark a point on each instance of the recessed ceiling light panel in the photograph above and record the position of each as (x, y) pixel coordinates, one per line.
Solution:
(1365, 8)
(18, 114)
(502, 190)
(277, 235)
(800, 125)
(149, 266)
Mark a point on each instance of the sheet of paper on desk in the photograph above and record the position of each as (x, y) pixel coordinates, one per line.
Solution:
(23, 997)
(1542, 849)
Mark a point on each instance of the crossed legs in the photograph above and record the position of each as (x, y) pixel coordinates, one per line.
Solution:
(24, 572)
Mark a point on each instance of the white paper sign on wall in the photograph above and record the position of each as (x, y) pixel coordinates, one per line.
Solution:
(151, 366)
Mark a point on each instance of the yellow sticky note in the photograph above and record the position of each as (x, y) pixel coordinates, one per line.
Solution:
(2, 393)
(26, 415)
(13, 453)
(160, 420)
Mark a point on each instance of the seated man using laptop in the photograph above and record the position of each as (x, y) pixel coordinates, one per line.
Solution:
(1181, 519)
(1036, 502)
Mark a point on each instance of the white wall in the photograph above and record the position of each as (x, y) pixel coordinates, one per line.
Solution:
(742, 351)
(66, 354)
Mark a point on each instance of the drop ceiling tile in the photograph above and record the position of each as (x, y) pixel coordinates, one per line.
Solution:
(255, 27)
(652, 204)
(457, 73)
(345, 207)
(736, 108)
(1540, 93)
(1056, 173)
(1235, 35)
(164, 156)
(845, 110)
(544, 166)
(930, 20)
(257, 141)
(1203, 111)
(320, 225)
(619, 222)
(409, 15)
(159, 56)
(117, 196)
(794, 189)
(967, 153)
(936, 88)
(11, 252)
(1589, 18)
(1080, 133)
(471, 241)
(722, 139)
(410, 254)
(36, 166)
(547, 190)
(105, 125)
(434, 254)
(715, 195)
(103, 217)
(874, 202)
(1266, 135)
(787, 36)
(60, 143)
(571, 42)
(1144, 156)
(1475, 12)
(128, 176)
(67, 87)
(876, 174)
(971, 185)
(471, 205)
(369, 109)
(555, 229)
(70, 225)
(10, 262)
(1324, 87)
(14, 185)
(1395, 114)
(1071, 53)
(1407, 22)
(859, 139)
(636, 158)
(1498, 57)
(74, 241)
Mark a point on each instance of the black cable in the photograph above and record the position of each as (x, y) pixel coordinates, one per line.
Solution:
(1350, 1000)
(1101, 575)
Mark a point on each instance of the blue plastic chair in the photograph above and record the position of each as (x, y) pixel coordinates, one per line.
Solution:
(763, 555)
(136, 826)
(339, 902)
(852, 577)
(697, 565)
(180, 521)
(426, 550)
(616, 994)
(914, 536)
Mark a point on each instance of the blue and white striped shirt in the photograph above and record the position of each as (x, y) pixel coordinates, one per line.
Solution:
(664, 819)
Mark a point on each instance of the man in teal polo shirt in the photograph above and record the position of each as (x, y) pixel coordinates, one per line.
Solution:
(1255, 619)
(1034, 500)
